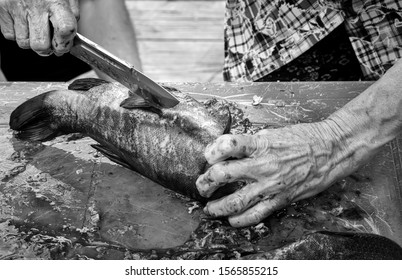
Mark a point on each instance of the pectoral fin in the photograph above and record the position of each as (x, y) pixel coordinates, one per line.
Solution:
(111, 155)
(134, 101)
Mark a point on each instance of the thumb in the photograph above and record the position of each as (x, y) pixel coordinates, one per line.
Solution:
(64, 27)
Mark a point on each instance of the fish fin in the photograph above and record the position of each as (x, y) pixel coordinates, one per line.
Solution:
(134, 101)
(110, 155)
(137, 101)
(32, 121)
(86, 84)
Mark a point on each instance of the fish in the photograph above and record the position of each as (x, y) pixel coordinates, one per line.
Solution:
(164, 145)
(332, 245)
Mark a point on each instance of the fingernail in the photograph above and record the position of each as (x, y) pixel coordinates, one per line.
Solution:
(58, 54)
(44, 53)
(200, 183)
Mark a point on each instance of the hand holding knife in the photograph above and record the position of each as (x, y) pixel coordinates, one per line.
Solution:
(121, 71)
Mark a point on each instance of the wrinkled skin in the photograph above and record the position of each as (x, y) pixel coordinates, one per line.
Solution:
(280, 166)
(45, 26)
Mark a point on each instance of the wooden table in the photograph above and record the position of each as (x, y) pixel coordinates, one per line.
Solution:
(63, 192)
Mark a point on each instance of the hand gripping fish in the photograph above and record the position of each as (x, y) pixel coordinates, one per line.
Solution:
(165, 145)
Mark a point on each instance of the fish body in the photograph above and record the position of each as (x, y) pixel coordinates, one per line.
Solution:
(165, 145)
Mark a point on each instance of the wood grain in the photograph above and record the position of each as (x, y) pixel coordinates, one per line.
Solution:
(180, 41)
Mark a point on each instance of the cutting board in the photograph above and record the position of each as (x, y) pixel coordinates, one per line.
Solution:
(65, 194)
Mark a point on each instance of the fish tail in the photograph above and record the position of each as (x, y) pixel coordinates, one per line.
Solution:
(32, 120)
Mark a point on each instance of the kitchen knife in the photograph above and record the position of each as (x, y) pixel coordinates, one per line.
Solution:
(121, 71)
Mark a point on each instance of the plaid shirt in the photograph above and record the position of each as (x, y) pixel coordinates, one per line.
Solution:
(263, 35)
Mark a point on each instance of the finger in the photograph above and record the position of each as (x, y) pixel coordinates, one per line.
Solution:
(7, 25)
(21, 30)
(240, 200)
(75, 8)
(247, 169)
(226, 146)
(64, 28)
(39, 33)
(222, 173)
(260, 211)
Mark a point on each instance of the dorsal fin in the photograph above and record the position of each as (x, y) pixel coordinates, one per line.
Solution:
(86, 84)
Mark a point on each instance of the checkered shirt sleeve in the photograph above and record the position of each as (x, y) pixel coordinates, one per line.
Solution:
(375, 31)
(263, 35)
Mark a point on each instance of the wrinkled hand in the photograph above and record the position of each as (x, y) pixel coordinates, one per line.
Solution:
(280, 166)
(45, 26)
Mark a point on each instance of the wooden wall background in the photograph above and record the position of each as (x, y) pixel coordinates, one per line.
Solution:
(180, 41)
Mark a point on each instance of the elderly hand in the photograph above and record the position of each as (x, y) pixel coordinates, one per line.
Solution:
(279, 166)
(27, 22)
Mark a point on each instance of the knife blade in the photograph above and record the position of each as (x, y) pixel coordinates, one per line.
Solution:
(121, 71)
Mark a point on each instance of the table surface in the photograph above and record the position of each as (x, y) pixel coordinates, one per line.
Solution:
(63, 189)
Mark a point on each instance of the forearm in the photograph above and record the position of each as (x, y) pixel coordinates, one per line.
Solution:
(367, 122)
(107, 22)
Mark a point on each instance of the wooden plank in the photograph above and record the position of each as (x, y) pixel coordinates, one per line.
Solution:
(182, 61)
(282, 102)
(182, 20)
(64, 170)
(174, 0)
(180, 41)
